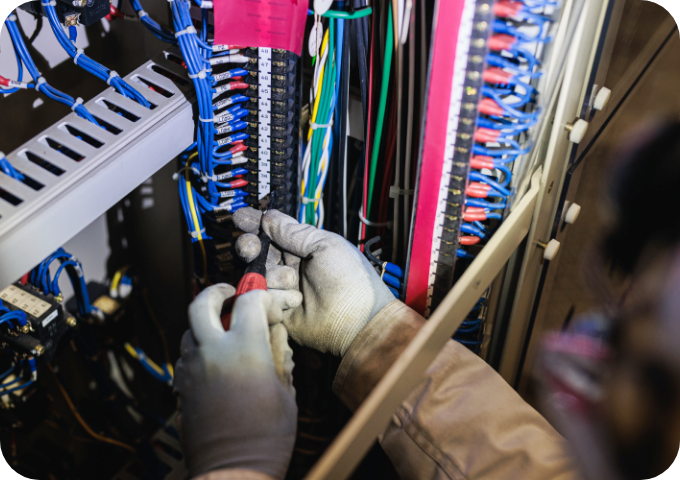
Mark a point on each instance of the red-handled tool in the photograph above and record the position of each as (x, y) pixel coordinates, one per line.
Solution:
(255, 276)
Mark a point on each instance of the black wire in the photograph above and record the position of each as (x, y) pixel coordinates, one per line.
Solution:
(367, 250)
(342, 141)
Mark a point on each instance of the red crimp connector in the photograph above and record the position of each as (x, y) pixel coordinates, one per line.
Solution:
(114, 13)
(501, 41)
(488, 106)
(237, 78)
(4, 81)
(474, 214)
(238, 183)
(238, 148)
(487, 135)
(497, 75)
(237, 85)
(506, 8)
(482, 162)
(477, 190)
(469, 240)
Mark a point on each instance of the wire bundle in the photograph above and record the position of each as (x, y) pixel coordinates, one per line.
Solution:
(40, 278)
(86, 63)
(323, 97)
(41, 85)
(209, 183)
(27, 365)
(507, 111)
(154, 27)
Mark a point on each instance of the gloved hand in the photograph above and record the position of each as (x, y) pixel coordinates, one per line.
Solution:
(340, 289)
(236, 399)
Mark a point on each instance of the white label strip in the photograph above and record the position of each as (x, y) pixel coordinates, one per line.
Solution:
(264, 108)
(459, 69)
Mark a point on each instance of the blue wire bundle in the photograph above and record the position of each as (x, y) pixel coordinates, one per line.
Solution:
(40, 84)
(86, 63)
(40, 278)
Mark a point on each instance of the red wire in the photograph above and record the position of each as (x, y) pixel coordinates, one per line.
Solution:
(390, 149)
(368, 127)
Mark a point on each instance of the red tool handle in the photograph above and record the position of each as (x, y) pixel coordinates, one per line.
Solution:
(250, 281)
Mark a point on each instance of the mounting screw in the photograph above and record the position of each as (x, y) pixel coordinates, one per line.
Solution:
(38, 350)
(602, 99)
(71, 321)
(72, 20)
(550, 249)
(577, 130)
(572, 213)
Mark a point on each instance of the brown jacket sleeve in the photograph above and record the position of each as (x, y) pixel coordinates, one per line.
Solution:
(462, 421)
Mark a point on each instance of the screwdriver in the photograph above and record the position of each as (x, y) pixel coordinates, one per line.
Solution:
(255, 275)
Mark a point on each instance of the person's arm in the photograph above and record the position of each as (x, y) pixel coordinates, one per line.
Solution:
(462, 421)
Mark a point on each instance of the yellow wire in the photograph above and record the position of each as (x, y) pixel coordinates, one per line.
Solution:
(80, 419)
(133, 352)
(192, 208)
(117, 277)
(317, 98)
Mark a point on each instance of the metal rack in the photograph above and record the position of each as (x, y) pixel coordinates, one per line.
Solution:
(79, 187)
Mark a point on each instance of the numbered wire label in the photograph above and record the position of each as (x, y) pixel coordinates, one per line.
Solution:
(264, 120)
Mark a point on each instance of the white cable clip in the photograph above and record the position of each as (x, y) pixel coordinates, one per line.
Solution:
(112, 75)
(196, 234)
(142, 13)
(52, 3)
(395, 192)
(206, 4)
(41, 80)
(79, 101)
(202, 74)
(186, 31)
(314, 126)
(373, 224)
(306, 200)
(12, 18)
(206, 120)
(79, 52)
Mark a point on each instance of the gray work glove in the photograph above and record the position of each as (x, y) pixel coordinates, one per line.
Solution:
(236, 399)
(340, 289)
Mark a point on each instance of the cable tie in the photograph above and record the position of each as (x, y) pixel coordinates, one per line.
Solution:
(306, 200)
(208, 120)
(206, 4)
(142, 13)
(52, 3)
(79, 101)
(12, 18)
(202, 74)
(112, 75)
(186, 31)
(395, 192)
(80, 51)
(314, 126)
(373, 224)
(41, 80)
(196, 234)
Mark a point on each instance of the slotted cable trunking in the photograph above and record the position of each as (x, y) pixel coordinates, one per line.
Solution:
(81, 170)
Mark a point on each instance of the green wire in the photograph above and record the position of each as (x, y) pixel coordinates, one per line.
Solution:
(322, 114)
(387, 66)
(364, 12)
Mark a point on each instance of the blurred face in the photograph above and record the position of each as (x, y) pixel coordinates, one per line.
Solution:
(614, 381)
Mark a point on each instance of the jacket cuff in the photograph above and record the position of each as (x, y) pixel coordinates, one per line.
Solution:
(234, 474)
(374, 350)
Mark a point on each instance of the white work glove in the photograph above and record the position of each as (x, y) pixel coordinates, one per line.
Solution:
(340, 289)
(236, 399)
